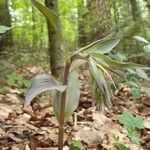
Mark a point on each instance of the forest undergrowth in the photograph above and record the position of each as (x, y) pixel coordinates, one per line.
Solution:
(37, 128)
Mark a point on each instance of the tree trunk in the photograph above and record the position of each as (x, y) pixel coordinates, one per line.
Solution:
(134, 10)
(100, 17)
(82, 19)
(5, 20)
(55, 53)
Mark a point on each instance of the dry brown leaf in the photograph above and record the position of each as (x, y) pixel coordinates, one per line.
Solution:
(147, 123)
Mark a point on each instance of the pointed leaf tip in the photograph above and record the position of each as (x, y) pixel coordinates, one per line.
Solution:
(102, 46)
(52, 17)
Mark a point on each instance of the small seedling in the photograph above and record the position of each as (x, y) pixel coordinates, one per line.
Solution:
(132, 125)
(119, 145)
(14, 78)
(132, 79)
(66, 92)
(75, 145)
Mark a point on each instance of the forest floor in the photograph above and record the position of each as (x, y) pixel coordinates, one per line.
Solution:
(36, 127)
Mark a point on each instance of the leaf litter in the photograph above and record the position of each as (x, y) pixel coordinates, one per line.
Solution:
(36, 127)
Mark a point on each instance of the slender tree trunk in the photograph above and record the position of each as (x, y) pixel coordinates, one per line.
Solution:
(33, 28)
(94, 21)
(100, 17)
(5, 20)
(134, 10)
(82, 18)
(56, 57)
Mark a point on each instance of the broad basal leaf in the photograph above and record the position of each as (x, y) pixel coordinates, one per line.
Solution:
(56, 103)
(42, 83)
(51, 16)
(72, 96)
(101, 46)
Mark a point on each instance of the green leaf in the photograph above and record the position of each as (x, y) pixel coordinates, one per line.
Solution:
(107, 73)
(138, 122)
(4, 29)
(94, 71)
(75, 145)
(72, 94)
(120, 146)
(114, 63)
(132, 84)
(101, 46)
(56, 95)
(118, 56)
(132, 124)
(101, 63)
(135, 92)
(40, 84)
(135, 137)
(142, 74)
(129, 121)
(102, 83)
(141, 39)
(51, 16)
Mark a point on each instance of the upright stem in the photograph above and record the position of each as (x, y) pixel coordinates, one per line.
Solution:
(62, 109)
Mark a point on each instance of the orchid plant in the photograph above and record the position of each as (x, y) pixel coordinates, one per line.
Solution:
(66, 93)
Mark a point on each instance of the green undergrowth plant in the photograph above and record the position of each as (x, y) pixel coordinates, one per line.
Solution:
(14, 78)
(135, 75)
(133, 125)
(75, 145)
(119, 145)
(66, 93)
(3, 29)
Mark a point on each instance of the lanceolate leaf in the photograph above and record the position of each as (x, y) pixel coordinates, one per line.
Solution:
(42, 83)
(72, 94)
(100, 79)
(107, 73)
(94, 71)
(102, 63)
(141, 39)
(114, 63)
(101, 46)
(51, 16)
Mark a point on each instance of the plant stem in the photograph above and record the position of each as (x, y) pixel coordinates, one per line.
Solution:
(62, 108)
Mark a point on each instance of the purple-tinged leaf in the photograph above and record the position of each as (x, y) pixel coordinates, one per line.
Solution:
(72, 96)
(42, 83)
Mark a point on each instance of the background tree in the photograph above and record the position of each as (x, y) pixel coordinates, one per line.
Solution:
(100, 16)
(94, 20)
(134, 10)
(5, 19)
(56, 57)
